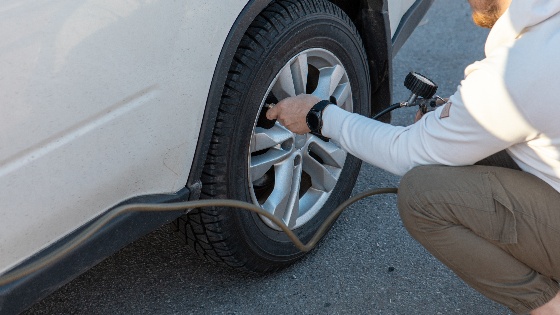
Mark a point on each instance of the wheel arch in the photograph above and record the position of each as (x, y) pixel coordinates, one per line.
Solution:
(372, 21)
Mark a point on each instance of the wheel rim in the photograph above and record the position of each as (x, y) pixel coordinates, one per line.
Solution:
(292, 176)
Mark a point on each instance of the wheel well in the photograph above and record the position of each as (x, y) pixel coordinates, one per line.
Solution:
(372, 21)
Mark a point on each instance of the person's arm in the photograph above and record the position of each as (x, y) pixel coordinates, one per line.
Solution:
(479, 120)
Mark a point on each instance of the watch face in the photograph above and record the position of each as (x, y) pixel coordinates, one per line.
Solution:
(313, 121)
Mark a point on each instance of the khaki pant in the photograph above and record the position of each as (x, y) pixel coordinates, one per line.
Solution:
(497, 228)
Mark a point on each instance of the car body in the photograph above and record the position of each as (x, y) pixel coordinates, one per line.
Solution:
(105, 103)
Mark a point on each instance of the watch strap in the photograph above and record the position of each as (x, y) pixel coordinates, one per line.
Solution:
(317, 110)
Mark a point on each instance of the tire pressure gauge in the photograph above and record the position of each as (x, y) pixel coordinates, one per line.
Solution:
(422, 94)
(419, 85)
(423, 91)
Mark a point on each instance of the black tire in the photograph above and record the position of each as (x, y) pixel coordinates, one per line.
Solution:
(241, 239)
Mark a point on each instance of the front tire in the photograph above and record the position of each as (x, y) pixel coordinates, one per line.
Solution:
(292, 47)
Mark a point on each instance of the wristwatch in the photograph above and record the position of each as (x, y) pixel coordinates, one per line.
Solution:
(315, 118)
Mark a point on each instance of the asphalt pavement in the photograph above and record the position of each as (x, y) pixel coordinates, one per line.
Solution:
(368, 264)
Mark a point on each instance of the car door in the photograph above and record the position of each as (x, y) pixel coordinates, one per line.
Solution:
(100, 101)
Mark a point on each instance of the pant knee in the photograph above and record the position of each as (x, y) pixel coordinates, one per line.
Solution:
(408, 197)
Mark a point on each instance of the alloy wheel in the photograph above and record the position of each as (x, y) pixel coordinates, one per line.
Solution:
(292, 176)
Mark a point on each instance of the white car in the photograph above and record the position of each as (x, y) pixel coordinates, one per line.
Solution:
(112, 102)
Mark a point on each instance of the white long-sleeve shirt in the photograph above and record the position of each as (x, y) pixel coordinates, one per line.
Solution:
(510, 100)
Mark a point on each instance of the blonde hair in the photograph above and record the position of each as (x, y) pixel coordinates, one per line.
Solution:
(487, 17)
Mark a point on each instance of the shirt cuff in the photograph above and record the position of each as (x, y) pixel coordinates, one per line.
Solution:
(333, 118)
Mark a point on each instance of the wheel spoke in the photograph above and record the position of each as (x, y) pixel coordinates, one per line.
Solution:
(260, 164)
(323, 176)
(300, 71)
(268, 138)
(284, 86)
(283, 202)
(342, 95)
(329, 79)
(292, 209)
(309, 200)
(277, 203)
(330, 153)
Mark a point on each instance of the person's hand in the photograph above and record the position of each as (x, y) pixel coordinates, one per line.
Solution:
(292, 112)
(419, 115)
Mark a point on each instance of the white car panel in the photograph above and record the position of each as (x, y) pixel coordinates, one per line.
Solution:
(397, 9)
(137, 137)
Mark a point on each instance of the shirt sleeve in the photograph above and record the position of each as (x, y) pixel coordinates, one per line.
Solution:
(481, 120)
